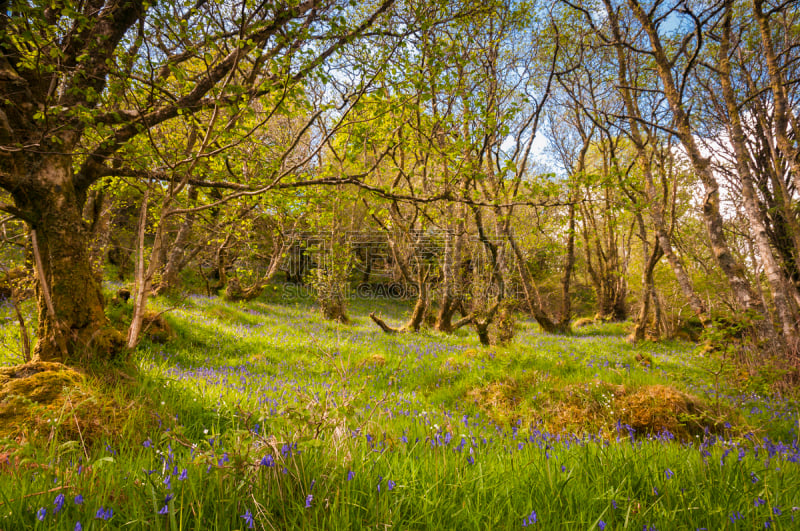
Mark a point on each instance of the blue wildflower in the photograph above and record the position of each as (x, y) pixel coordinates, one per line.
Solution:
(59, 503)
(78, 526)
(351, 475)
(601, 525)
(309, 499)
(248, 517)
(41, 513)
(267, 460)
(164, 510)
(184, 475)
(669, 473)
(391, 484)
(78, 499)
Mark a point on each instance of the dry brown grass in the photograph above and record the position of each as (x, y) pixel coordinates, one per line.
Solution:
(595, 405)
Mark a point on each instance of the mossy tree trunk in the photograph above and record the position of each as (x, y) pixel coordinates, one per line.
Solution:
(69, 299)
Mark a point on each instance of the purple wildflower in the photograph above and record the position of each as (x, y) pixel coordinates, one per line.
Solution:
(309, 499)
(59, 503)
(248, 517)
(41, 513)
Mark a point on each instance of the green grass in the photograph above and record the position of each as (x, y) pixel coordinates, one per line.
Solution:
(324, 401)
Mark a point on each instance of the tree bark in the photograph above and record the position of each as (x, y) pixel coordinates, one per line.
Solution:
(648, 288)
(782, 111)
(68, 294)
(733, 271)
(538, 313)
(656, 208)
(175, 256)
(778, 285)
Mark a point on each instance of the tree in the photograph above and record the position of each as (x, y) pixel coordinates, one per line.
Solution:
(80, 81)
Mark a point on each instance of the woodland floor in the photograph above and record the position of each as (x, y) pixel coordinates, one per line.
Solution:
(262, 414)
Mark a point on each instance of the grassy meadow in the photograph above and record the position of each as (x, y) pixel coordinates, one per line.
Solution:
(262, 415)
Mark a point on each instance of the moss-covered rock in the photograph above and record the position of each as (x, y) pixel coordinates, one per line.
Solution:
(39, 400)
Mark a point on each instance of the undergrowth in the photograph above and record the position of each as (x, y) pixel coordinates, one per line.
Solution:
(262, 414)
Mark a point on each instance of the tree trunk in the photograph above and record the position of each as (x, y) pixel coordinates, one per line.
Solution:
(656, 209)
(175, 256)
(640, 328)
(535, 308)
(452, 261)
(783, 110)
(569, 265)
(778, 285)
(733, 271)
(71, 322)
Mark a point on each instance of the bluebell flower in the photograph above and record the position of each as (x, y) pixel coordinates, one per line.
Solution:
(147, 443)
(267, 460)
(164, 510)
(78, 526)
(104, 514)
(309, 499)
(41, 513)
(669, 473)
(351, 475)
(184, 475)
(248, 517)
(391, 484)
(78, 499)
(601, 525)
(59, 503)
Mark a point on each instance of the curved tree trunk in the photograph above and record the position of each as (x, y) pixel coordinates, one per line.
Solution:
(69, 299)
(648, 288)
(778, 285)
(733, 270)
(547, 324)
(656, 209)
(175, 260)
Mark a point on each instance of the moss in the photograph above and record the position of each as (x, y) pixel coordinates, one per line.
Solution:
(649, 409)
(40, 400)
(156, 328)
(592, 406)
(583, 321)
